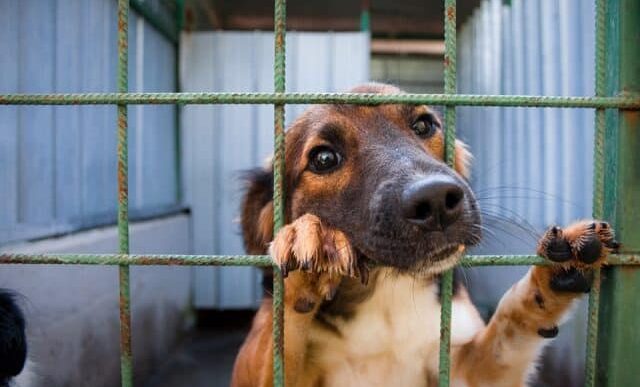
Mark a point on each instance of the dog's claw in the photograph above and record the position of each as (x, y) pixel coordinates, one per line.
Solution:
(363, 273)
(284, 270)
(331, 293)
(613, 245)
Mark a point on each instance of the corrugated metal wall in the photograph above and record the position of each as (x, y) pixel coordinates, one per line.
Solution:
(219, 142)
(533, 167)
(58, 164)
(538, 162)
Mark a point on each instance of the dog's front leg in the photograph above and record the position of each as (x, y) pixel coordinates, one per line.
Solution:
(503, 353)
(313, 258)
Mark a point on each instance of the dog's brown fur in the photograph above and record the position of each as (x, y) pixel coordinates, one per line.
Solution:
(354, 320)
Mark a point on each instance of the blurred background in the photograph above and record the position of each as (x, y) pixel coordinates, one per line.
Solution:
(532, 167)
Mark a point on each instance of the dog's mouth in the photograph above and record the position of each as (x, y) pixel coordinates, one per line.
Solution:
(445, 253)
(440, 260)
(437, 261)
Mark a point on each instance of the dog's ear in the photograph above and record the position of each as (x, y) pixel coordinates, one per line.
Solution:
(463, 159)
(257, 210)
(13, 343)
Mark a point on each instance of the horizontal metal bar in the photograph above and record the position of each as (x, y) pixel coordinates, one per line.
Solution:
(632, 103)
(502, 260)
(525, 260)
(133, 259)
(255, 260)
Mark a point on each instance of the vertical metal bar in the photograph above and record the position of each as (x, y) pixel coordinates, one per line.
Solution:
(365, 15)
(278, 188)
(598, 188)
(179, 22)
(619, 343)
(450, 136)
(126, 371)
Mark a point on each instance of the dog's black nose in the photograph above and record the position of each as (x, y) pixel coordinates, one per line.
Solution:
(434, 203)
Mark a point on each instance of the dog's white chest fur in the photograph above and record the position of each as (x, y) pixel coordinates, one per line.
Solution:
(393, 338)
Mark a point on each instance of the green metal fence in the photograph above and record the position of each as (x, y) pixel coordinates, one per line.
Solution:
(616, 183)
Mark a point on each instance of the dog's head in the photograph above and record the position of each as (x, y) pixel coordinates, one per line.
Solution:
(377, 174)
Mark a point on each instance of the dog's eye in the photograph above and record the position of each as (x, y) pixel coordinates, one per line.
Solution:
(425, 126)
(323, 159)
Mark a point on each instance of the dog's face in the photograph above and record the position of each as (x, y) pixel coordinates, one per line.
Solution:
(376, 173)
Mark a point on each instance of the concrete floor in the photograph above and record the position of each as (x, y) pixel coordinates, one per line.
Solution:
(204, 359)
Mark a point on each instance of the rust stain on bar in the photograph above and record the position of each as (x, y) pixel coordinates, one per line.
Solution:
(451, 13)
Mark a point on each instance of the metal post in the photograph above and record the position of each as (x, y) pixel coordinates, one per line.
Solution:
(450, 138)
(278, 188)
(598, 189)
(126, 369)
(619, 342)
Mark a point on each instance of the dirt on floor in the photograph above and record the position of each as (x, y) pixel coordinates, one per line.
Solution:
(204, 359)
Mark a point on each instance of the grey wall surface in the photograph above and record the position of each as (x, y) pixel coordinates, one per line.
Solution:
(58, 175)
(413, 74)
(219, 142)
(58, 163)
(72, 311)
(540, 159)
(532, 167)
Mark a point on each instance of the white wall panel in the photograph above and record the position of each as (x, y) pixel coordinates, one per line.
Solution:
(58, 163)
(219, 142)
(539, 159)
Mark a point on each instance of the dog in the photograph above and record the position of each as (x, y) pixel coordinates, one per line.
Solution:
(13, 343)
(373, 218)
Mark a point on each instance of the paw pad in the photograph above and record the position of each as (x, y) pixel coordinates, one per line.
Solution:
(589, 250)
(571, 280)
(586, 243)
(576, 250)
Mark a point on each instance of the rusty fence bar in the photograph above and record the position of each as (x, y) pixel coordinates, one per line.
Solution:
(598, 189)
(126, 353)
(256, 260)
(593, 102)
(279, 17)
(446, 293)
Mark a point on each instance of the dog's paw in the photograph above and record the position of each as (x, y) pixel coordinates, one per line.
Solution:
(576, 250)
(309, 246)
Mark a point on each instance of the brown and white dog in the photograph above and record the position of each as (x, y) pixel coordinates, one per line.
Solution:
(374, 216)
